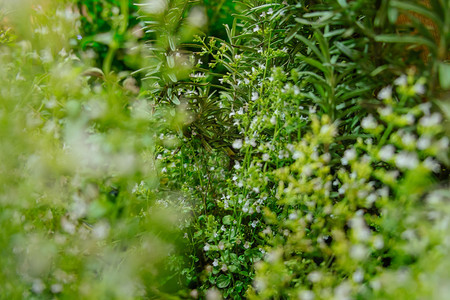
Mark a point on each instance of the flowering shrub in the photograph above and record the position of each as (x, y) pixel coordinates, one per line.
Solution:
(301, 152)
(351, 222)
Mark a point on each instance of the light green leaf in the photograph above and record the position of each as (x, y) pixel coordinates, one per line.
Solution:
(444, 75)
(406, 39)
(223, 281)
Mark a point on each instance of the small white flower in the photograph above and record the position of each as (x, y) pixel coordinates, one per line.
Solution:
(315, 276)
(350, 154)
(406, 160)
(385, 111)
(255, 96)
(224, 268)
(410, 118)
(68, 226)
(297, 155)
(432, 120)
(246, 245)
(270, 11)
(431, 164)
(423, 143)
(434, 198)
(419, 88)
(386, 152)
(293, 216)
(385, 93)
(251, 142)
(56, 288)
(369, 122)
(383, 192)
(215, 263)
(63, 52)
(425, 108)
(342, 189)
(358, 252)
(207, 247)
(401, 81)
(378, 242)
(101, 230)
(265, 157)
(393, 174)
(38, 286)
(443, 143)
(256, 28)
(237, 144)
(306, 295)
(408, 139)
(358, 276)
(371, 198)
(361, 231)
(273, 120)
(408, 234)
(237, 165)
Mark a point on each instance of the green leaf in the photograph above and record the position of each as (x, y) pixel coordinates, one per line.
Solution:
(314, 63)
(232, 268)
(223, 281)
(323, 44)
(96, 72)
(392, 15)
(346, 50)
(227, 220)
(311, 46)
(291, 33)
(444, 75)
(406, 39)
(175, 100)
(172, 76)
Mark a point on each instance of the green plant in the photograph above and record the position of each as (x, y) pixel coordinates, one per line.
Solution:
(253, 149)
(341, 230)
(75, 222)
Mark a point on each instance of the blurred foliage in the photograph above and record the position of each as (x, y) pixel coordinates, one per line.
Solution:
(173, 149)
(78, 177)
(109, 30)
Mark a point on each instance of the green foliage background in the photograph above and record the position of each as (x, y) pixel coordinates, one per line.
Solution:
(188, 149)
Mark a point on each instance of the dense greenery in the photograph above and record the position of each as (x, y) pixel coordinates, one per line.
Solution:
(188, 149)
